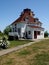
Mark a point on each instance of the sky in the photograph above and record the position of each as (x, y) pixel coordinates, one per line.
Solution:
(11, 9)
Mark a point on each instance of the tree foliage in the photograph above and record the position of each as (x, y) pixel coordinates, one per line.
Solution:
(46, 34)
(7, 30)
(1, 34)
(0, 31)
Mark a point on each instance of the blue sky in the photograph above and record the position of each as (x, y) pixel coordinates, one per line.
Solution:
(11, 9)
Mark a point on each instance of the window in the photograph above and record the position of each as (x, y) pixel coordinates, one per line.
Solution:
(13, 29)
(34, 20)
(27, 18)
(19, 31)
(15, 24)
(38, 32)
(24, 19)
(29, 32)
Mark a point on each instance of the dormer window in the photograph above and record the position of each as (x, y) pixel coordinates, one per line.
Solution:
(29, 13)
(27, 18)
(15, 24)
(34, 20)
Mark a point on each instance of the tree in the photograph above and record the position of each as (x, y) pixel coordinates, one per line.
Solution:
(7, 30)
(46, 34)
(0, 31)
(1, 34)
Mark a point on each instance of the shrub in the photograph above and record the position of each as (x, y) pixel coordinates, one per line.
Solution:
(46, 34)
(4, 43)
(13, 38)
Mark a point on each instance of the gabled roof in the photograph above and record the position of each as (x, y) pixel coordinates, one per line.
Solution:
(26, 12)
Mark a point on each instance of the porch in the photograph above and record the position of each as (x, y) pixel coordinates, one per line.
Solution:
(38, 34)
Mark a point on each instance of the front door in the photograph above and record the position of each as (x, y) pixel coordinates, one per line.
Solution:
(35, 34)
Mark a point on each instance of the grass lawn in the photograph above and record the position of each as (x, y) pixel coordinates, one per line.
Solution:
(18, 42)
(36, 54)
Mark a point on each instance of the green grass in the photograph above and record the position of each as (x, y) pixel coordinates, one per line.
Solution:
(24, 52)
(41, 59)
(9, 62)
(36, 54)
(18, 42)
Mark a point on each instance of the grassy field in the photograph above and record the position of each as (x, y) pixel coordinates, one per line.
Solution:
(36, 54)
(18, 42)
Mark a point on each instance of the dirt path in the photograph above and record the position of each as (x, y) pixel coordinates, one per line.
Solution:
(6, 51)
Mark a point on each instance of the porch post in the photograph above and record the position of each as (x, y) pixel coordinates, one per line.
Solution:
(33, 34)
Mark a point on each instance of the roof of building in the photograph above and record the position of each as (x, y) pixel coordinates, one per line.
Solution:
(36, 27)
(27, 13)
